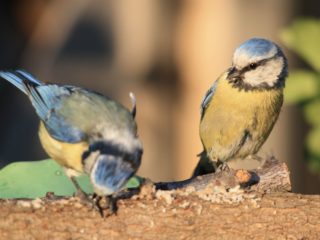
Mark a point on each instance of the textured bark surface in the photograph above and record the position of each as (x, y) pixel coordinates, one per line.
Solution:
(210, 212)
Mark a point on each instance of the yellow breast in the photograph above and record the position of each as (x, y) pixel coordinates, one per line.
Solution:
(231, 114)
(68, 155)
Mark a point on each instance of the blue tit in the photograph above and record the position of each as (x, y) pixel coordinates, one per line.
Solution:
(84, 131)
(240, 109)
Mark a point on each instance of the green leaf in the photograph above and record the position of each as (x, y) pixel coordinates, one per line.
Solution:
(301, 85)
(313, 141)
(303, 37)
(134, 182)
(312, 112)
(35, 179)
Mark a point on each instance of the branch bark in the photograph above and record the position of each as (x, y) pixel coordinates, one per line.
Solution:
(274, 176)
(210, 207)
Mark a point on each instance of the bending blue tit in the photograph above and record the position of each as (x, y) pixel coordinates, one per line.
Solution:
(84, 131)
(240, 109)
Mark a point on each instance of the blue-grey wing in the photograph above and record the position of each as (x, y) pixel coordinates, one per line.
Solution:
(62, 130)
(207, 98)
(48, 100)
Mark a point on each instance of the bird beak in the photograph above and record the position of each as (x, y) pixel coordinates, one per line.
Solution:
(233, 73)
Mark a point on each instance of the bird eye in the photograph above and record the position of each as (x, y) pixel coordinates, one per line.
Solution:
(253, 66)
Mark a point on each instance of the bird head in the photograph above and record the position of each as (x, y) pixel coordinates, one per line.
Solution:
(110, 165)
(258, 64)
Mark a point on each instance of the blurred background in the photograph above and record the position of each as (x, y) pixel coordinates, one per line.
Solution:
(168, 53)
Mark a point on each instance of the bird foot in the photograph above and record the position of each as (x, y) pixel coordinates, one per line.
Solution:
(222, 167)
(100, 203)
(108, 202)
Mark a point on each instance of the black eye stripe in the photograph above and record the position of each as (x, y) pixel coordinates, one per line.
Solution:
(235, 77)
(255, 65)
(109, 148)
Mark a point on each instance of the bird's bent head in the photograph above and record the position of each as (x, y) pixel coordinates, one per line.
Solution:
(111, 165)
(258, 64)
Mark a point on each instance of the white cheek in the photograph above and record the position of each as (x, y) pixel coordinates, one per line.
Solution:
(267, 73)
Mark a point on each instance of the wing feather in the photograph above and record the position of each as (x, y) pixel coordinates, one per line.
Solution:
(207, 98)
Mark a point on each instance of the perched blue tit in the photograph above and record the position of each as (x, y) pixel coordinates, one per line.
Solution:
(84, 131)
(240, 109)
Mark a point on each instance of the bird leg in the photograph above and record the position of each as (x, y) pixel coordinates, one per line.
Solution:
(95, 201)
(112, 204)
(97, 204)
(84, 197)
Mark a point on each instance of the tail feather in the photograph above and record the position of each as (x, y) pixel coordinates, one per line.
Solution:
(40, 98)
(19, 79)
(204, 166)
(29, 76)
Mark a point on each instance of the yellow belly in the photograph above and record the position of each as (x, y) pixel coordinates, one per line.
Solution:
(68, 155)
(237, 123)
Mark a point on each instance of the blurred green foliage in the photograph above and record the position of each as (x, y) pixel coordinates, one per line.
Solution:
(35, 179)
(303, 86)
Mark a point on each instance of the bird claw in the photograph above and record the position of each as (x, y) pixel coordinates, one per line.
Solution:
(222, 167)
(110, 201)
(111, 204)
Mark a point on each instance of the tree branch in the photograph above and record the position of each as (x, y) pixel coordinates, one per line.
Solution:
(210, 207)
(272, 177)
